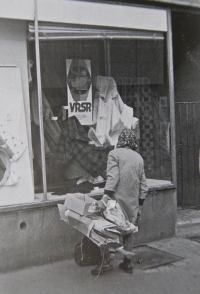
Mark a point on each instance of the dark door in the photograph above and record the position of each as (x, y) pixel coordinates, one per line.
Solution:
(188, 161)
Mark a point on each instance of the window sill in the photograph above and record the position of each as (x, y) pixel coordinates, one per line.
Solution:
(37, 203)
(154, 185)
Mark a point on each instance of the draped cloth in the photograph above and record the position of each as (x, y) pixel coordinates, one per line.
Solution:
(110, 114)
(52, 130)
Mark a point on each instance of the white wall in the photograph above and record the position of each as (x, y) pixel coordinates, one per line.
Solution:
(102, 14)
(13, 51)
(87, 13)
(17, 9)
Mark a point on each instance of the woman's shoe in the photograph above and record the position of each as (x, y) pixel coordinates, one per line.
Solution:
(126, 265)
(101, 268)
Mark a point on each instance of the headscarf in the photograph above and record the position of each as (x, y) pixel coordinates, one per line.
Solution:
(127, 138)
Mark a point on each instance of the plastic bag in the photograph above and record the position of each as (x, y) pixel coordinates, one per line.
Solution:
(114, 213)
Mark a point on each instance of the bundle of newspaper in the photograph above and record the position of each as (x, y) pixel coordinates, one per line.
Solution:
(76, 211)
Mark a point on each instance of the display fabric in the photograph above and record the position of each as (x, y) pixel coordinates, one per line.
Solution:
(147, 144)
(70, 143)
(52, 135)
(74, 144)
(110, 114)
(52, 130)
(154, 124)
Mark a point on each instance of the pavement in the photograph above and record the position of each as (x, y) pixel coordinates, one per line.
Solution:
(188, 222)
(66, 277)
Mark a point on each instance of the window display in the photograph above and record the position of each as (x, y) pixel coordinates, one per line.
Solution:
(92, 89)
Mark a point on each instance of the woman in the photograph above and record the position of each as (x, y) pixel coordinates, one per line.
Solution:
(126, 183)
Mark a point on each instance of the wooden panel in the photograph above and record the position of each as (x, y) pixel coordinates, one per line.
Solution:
(179, 154)
(191, 154)
(196, 151)
(188, 142)
(184, 159)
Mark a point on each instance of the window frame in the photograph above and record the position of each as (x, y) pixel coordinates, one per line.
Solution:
(37, 38)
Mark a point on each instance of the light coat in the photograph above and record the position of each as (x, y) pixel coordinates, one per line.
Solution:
(126, 177)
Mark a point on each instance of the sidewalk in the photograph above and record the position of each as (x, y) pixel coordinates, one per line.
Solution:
(181, 277)
(188, 222)
(66, 277)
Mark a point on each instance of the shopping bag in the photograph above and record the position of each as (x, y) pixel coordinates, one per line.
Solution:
(114, 214)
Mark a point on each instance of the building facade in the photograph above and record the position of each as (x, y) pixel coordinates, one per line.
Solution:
(73, 75)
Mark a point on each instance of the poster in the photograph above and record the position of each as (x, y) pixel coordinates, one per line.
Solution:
(79, 90)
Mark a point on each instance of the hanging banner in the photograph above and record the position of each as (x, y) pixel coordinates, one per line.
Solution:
(79, 90)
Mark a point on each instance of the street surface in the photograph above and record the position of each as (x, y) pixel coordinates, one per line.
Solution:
(65, 277)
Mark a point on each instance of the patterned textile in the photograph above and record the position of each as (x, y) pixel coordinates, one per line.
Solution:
(154, 143)
(127, 138)
(147, 129)
(74, 130)
(140, 98)
(52, 133)
(74, 144)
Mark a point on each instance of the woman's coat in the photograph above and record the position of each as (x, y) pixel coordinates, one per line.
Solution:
(125, 176)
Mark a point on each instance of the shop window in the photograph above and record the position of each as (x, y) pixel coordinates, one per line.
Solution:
(93, 87)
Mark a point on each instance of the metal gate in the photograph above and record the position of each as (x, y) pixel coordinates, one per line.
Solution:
(188, 145)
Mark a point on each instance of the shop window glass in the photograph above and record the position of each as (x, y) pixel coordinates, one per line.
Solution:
(91, 90)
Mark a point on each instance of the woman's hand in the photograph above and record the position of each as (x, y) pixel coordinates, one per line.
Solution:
(101, 204)
(139, 214)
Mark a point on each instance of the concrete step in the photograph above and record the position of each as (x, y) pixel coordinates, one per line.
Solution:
(188, 230)
(188, 223)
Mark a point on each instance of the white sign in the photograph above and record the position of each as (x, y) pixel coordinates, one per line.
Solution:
(79, 90)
